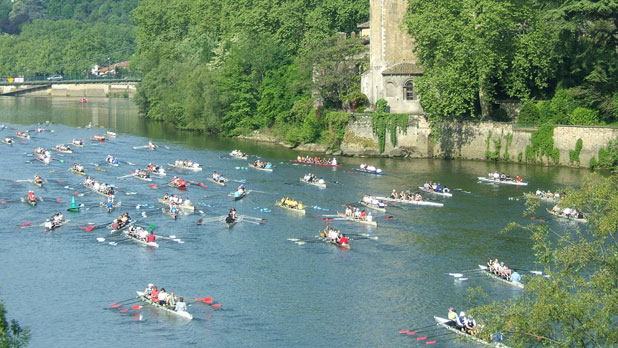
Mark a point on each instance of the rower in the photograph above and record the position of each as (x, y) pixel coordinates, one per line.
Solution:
(460, 322)
(173, 210)
(154, 293)
(452, 317)
(181, 306)
(470, 326)
(515, 277)
(151, 237)
(31, 196)
(142, 233)
(148, 290)
(344, 240)
(162, 297)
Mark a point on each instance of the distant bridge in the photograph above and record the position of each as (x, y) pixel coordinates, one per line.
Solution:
(78, 88)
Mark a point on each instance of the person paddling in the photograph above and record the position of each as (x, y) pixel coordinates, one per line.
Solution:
(181, 306)
(151, 237)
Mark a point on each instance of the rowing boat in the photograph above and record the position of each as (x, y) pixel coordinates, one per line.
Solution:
(260, 168)
(300, 211)
(316, 164)
(139, 177)
(120, 228)
(96, 191)
(365, 171)
(26, 200)
(426, 190)
(240, 196)
(330, 241)
(99, 138)
(505, 182)
(8, 141)
(245, 157)
(551, 200)
(77, 172)
(142, 242)
(110, 134)
(405, 201)
(360, 221)
(443, 322)
(62, 150)
(217, 182)
(77, 144)
(38, 184)
(374, 207)
(557, 214)
(54, 226)
(182, 188)
(24, 135)
(230, 224)
(198, 168)
(147, 147)
(320, 185)
(160, 172)
(486, 271)
(182, 314)
(183, 207)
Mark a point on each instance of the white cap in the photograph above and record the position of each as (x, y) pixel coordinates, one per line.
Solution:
(150, 285)
(462, 314)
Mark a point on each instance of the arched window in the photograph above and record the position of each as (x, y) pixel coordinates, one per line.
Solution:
(408, 91)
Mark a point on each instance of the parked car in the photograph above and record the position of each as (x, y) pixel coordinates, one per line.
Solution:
(56, 77)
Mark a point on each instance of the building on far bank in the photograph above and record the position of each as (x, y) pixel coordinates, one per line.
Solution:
(392, 63)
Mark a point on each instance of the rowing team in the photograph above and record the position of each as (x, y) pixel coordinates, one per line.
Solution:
(549, 194)
(55, 220)
(503, 177)
(95, 185)
(370, 168)
(358, 214)
(141, 234)
(79, 142)
(231, 215)
(111, 160)
(372, 201)
(406, 196)
(292, 203)
(336, 236)
(176, 199)
(62, 147)
(262, 164)
(216, 176)
(155, 169)
(178, 182)
(498, 268)
(31, 196)
(142, 173)
(42, 152)
(238, 153)
(121, 221)
(185, 163)
(317, 160)
(23, 135)
(162, 298)
(310, 177)
(461, 322)
(568, 212)
(436, 187)
(240, 190)
(78, 167)
(37, 179)
(8, 140)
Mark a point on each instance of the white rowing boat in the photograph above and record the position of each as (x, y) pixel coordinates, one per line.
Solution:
(142, 242)
(296, 210)
(182, 207)
(374, 207)
(182, 314)
(330, 241)
(426, 190)
(217, 182)
(239, 156)
(486, 271)
(504, 182)
(96, 191)
(557, 214)
(443, 322)
(342, 216)
(545, 199)
(314, 183)
(405, 201)
(260, 168)
(194, 168)
(139, 177)
(52, 227)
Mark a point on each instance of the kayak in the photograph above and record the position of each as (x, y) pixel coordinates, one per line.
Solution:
(183, 314)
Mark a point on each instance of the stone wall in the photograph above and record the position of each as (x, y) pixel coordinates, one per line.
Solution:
(470, 140)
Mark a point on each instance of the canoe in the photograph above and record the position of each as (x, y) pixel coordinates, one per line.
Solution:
(329, 241)
(259, 168)
(183, 314)
(313, 183)
(300, 211)
(442, 322)
(405, 201)
(198, 168)
(486, 271)
(582, 220)
(443, 194)
(76, 172)
(368, 171)
(142, 242)
(374, 207)
(317, 164)
(217, 182)
(181, 207)
(360, 221)
(504, 182)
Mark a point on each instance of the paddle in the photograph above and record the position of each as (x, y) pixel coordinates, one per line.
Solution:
(198, 184)
(132, 299)
(425, 337)
(413, 331)
(388, 217)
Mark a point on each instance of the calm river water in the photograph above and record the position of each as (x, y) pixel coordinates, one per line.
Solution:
(274, 293)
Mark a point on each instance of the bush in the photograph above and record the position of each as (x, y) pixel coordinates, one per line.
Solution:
(500, 115)
(545, 113)
(355, 101)
(528, 114)
(584, 116)
(562, 105)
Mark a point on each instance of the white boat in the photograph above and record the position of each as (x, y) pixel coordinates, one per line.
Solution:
(110, 134)
(330, 241)
(557, 214)
(235, 155)
(62, 149)
(342, 216)
(443, 322)
(142, 242)
(486, 271)
(217, 182)
(160, 172)
(504, 182)
(300, 211)
(138, 177)
(444, 194)
(182, 314)
(314, 183)
(96, 191)
(198, 168)
(374, 207)
(405, 201)
(182, 207)
(54, 226)
(260, 168)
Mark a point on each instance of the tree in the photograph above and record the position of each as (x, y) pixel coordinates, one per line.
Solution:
(576, 305)
(11, 334)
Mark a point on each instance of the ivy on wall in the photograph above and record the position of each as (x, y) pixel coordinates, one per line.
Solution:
(542, 145)
(509, 140)
(383, 120)
(574, 154)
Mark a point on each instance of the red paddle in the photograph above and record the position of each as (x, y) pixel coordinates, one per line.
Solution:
(388, 217)
(124, 310)
(431, 342)
(26, 224)
(136, 307)
(327, 219)
(154, 186)
(404, 331)
(216, 305)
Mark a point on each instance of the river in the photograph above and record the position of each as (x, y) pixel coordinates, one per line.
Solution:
(273, 292)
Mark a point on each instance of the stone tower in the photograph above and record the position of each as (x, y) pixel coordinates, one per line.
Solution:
(392, 63)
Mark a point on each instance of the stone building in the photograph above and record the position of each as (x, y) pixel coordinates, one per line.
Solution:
(392, 63)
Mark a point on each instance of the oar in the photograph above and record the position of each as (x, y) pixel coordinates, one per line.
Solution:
(171, 237)
(525, 270)
(125, 176)
(198, 184)
(413, 331)
(425, 337)
(90, 228)
(118, 242)
(253, 222)
(132, 299)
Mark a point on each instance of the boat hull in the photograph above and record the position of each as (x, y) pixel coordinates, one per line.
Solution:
(185, 315)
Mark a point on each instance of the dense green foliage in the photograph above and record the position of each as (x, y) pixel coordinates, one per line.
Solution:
(68, 37)
(382, 120)
(574, 154)
(608, 157)
(231, 67)
(11, 334)
(542, 146)
(476, 52)
(576, 305)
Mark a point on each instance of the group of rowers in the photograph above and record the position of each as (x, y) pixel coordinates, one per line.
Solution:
(435, 187)
(568, 212)
(216, 176)
(231, 216)
(111, 160)
(370, 168)
(144, 174)
(503, 177)
(237, 153)
(461, 322)
(292, 203)
(336, 236)
(186, 164)
(96, 186)
(54, 221)
(178, 182)
(78, 167)
(9, 140)
(31, 197)
(42, 153)
(155, 169)
(317, 160)
(62, 148)
(367, 199)
(310, 177)
(24, 135)
(262, 164)
(78, 142)
(121, 221)
(549, 194)
(176, 199)
(498, 268)
(141, 233)
(406, 196)
(37, 179)
(162, 298)
(358, 214)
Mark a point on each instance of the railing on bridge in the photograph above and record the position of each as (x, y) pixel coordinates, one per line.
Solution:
(66, 79)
